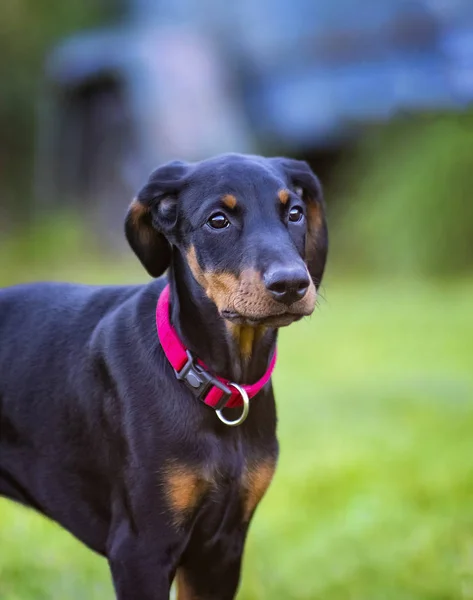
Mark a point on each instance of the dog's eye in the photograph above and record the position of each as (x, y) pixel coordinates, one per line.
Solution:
(218, 221)
(295, 214)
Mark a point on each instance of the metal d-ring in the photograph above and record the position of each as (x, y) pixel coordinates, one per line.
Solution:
(244, 412)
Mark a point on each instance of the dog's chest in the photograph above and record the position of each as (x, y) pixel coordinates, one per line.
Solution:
(229, 478)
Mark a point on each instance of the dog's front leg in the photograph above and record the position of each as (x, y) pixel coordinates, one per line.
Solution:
(143, 565)
(210, 569)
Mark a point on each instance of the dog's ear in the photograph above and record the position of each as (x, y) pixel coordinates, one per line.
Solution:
(306, 184)
(152, 217)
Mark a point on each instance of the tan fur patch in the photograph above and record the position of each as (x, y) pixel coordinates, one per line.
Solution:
(184, 487)
(314, 215)
(309, 299)
(253, 298)
(314, 221)
(253, 301)
(195, 267)
(247, 338)
(221, 287)
(284, 196)
(246, 295)
(137, 210)
(229, 200)
(184, 591)
(138, 215)
(234, 330)
(256, 480)
(260, 331)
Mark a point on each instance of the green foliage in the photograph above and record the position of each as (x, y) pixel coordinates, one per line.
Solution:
(58, 246)
(405, 198)
(48, 242)
(373, 494)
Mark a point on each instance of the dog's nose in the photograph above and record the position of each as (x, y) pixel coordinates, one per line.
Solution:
(287, 284)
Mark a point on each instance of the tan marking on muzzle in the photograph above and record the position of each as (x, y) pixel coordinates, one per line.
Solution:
(246, 295)
(221, 288)
(229, 200)
(255, 482)
(252, 298)
(254, 301)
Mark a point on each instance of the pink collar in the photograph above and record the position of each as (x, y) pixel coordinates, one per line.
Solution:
(214, 391)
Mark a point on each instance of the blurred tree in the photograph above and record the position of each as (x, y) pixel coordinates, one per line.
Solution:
(405, 205)
(27, 30)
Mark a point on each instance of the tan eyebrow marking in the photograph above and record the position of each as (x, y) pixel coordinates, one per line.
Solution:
(283, 196)
(229, 200)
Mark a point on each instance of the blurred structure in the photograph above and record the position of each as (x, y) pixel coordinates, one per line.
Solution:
(192, 78)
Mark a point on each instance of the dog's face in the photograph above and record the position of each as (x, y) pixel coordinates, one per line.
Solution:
(252, 231)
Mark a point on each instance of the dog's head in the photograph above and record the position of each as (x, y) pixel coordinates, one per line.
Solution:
(252, 231)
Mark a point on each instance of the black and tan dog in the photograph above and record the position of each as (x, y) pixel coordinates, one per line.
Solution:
(98, 431)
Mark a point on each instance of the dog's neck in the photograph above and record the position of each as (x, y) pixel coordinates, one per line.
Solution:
(240, 354)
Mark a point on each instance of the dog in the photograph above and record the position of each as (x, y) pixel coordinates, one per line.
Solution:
(142, 418)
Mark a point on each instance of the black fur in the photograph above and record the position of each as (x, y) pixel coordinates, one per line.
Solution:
(91, 413)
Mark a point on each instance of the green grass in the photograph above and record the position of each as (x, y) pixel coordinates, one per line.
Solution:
(373, 497)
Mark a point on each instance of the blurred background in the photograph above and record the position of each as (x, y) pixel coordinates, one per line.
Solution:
(374, 493)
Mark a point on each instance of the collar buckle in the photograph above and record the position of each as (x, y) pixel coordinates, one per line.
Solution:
(199, 381)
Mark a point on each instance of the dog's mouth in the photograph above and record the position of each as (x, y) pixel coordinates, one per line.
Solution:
(255, 309)
(280, 320)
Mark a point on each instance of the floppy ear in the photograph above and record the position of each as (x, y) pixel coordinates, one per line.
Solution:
(152, 216)
(306, 184)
